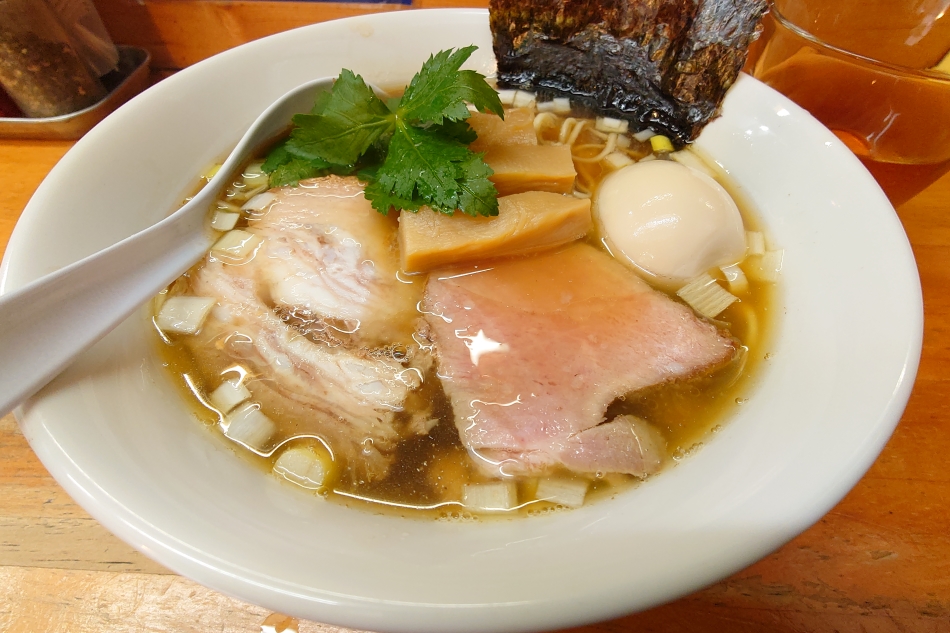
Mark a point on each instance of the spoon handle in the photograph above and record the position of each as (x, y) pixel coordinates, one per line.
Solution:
(46, 324)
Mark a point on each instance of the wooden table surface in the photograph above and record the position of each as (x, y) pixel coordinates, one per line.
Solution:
(878, 562)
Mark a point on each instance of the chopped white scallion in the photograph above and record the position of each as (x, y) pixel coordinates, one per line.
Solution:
(250, 427)
(644, 135)
(766, 268)
(507, 97)
(493, 497)
(236, 245)
(738, 282)
(565, 492)
(616, 160)
(706, 296)
(524, 99)
(304, 467)
(253, 191)
(559, 105)
(688, 158)
(228, 395)
(224, 220)
(259, 202)
(607, 124)
(754, 243)
(261, 180)
(254, 176)
(623, 141)
(224, 205)
(184, 315)
(159, 300)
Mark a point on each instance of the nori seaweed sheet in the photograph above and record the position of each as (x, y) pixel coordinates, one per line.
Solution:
(660, 64)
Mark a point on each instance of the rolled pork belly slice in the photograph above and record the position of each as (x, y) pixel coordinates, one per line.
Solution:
(328, 254)
(532, 351)
(310, 317)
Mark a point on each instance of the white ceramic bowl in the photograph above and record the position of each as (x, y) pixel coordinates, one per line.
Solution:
(118, 437)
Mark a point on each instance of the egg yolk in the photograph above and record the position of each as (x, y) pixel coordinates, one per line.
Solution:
(669, 221)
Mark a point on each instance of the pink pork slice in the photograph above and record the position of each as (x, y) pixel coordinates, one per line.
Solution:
(532, 351)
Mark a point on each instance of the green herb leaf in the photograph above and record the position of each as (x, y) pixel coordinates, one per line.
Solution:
(419, 167)
(277, 157)
(411, 152)
(474, 89)
(321, 102)
(286, 169)
(440, 90)
(297, 169)
(477, 194)
(353, 118)
(384, 199)
(460, 131)
(423, 167)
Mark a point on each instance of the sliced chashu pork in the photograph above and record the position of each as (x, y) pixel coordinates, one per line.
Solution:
(327, 254)
(311, 266)
(532, 351)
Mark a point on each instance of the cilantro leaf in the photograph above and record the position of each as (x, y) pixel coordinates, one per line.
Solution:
(410, 152)
(321, 102)
(286, 169)
(353, 118)
(430, 163)
(474, 89)
(425, 167)
(460, 131)
(277, 157)
(297, 169)
(384, 199)
(368, 173)
(420, 165)
(440, 90)
(477, 194)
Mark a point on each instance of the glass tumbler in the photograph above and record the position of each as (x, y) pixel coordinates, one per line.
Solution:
(871, 71)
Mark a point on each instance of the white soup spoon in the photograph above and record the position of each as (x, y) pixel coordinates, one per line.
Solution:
(46, 324)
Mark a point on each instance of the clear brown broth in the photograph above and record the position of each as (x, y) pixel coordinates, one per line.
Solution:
(428, 472)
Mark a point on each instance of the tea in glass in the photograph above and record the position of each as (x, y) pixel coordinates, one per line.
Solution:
(893, 109)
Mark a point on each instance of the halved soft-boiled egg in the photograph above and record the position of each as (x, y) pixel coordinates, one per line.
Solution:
(669, 221)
